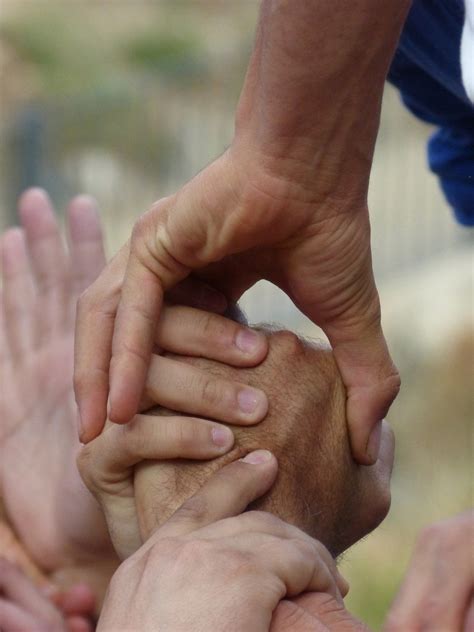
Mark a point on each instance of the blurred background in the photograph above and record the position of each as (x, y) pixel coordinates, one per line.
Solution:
(126, 100)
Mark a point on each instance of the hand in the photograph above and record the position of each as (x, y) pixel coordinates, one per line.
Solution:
(317, 489)
(437, 592)
(23, 606)
(54, 515)
(209, 568)
(287, 202)
(314, 612)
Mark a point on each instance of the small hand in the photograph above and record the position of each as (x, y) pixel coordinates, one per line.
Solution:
(209, 568)
(437, 593)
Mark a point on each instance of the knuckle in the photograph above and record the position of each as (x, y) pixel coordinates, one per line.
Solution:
(288, 343)
(211, 391)
(84, 466)
(184, 435)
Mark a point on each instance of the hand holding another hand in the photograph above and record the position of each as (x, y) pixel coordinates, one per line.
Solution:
(210, 567)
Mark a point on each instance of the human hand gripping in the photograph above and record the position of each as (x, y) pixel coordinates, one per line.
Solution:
(286, 202)
(39, 480)
(210, 567)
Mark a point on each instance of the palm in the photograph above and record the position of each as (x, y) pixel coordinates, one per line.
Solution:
(45, 500)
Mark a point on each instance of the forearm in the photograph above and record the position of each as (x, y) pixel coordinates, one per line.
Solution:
(312, 95)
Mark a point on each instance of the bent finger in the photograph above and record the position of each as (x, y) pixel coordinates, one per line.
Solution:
(227, 493)
(120, 447)
(147, 276)
(185, 388)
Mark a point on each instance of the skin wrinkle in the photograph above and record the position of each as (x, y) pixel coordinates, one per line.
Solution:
(319, 487)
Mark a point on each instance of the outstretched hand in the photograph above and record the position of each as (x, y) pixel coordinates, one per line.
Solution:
(40, 485)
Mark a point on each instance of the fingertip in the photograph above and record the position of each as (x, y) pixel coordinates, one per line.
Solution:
(252, 344)
(83, 219)
(36, 212)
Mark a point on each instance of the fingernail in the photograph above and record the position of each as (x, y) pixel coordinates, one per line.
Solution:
(343, 584)
(249, 400)
(222, 436)
(247, 340)
(257, 457)
(373, 445)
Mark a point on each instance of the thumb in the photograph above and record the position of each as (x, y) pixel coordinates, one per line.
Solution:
(179, 234)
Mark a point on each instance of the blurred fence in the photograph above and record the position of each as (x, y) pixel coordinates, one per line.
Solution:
(411, 222)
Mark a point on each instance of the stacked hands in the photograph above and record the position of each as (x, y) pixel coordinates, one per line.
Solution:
(154, 532)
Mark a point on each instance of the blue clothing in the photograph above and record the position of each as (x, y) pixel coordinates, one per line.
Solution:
(427, 71)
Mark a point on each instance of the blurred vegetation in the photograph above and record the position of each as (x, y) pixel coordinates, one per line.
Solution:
(99, 84)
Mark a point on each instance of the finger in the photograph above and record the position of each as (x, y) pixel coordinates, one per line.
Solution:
(296, 562)
(133, 339)
(14, 618)
(195, 293)
(432, 596)
(185, 388)
(120, 447)
(227, 493)
(18, 294)
(263, 522)
(45, 245)
(77, 600)
(96, 310)
(85, 242)
(16, 587)
(289, 616)
(79, 624)
(189, 331)
(147, 277)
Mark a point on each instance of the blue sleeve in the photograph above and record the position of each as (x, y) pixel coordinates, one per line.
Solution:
(426, 70)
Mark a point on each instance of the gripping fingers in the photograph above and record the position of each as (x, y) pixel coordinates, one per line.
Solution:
(227, 493)
(300, 566)
(189, 331)
(188, 389)
(108, 458)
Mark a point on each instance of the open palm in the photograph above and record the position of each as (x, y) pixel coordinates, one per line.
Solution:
(44, 498)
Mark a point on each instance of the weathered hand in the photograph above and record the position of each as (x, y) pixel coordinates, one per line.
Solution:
(209, 568)
(286, 202)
